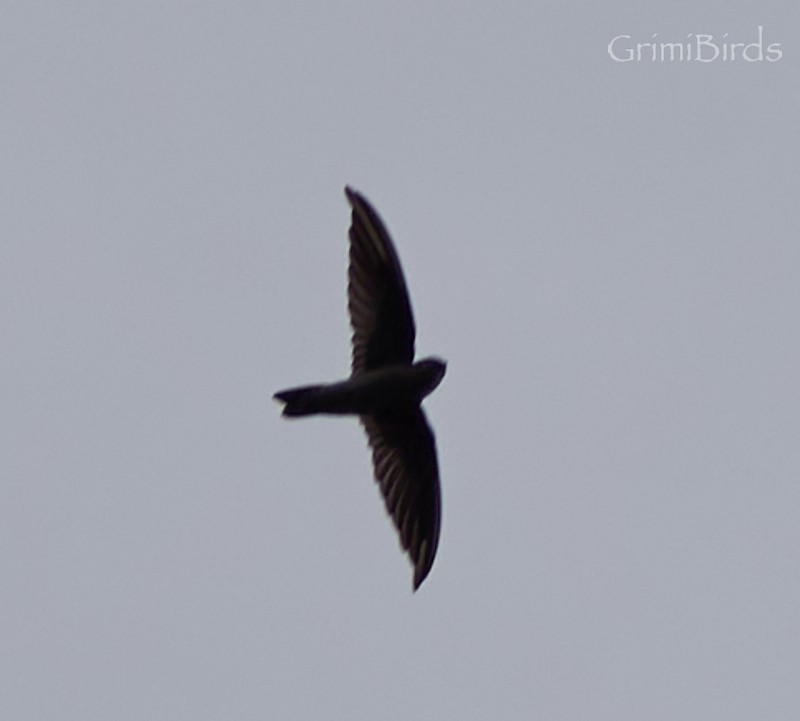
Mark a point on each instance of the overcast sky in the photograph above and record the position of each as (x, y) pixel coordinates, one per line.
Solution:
(606, 253)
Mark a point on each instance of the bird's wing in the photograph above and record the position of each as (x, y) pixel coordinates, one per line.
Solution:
(380, 311)
(404, 457)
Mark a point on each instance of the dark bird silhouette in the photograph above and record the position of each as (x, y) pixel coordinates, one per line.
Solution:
(386, 387)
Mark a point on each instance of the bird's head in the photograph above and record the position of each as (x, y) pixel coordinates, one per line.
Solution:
(434, 369)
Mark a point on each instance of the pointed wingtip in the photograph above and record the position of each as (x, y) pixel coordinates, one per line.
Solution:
(421, 573)
(352, 195)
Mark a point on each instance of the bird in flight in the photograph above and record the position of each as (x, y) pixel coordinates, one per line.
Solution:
(385, 387)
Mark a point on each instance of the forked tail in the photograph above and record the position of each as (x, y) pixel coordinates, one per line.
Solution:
(303, 401)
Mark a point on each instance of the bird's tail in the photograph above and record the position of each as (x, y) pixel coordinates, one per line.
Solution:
(305, 401)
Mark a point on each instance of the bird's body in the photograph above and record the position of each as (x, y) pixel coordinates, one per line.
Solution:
(386, 387)
(370, 393)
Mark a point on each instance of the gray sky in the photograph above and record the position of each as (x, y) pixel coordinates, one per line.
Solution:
(607, 255)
